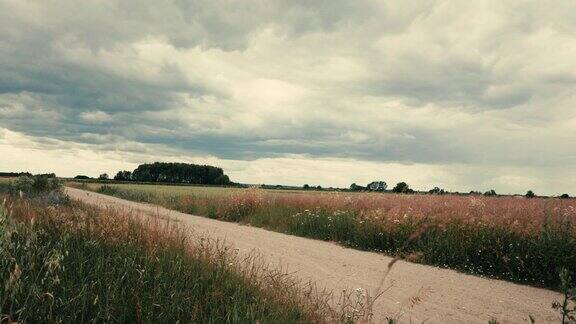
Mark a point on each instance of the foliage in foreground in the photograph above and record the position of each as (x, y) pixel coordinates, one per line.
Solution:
(72, 263)
(567, 307)
(522, 240)
(41, 188)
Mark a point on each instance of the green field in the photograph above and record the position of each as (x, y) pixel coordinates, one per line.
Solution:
(164, 190)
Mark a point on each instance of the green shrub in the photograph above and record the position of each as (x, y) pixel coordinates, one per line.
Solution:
(108, 190)
(32, 186)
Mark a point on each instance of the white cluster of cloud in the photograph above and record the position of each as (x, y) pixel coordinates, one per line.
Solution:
(463, 95)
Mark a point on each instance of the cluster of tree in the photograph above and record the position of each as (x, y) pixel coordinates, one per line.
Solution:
(355, 187)
(377, 186)
(27, 174)
(15, 174)
(82, 177)
(491, 193)
(402, 187)
(437, 191)
(174, 173)
(372, 186)
(123, 176)
(380, 186)
(531, 194)
(285, 187)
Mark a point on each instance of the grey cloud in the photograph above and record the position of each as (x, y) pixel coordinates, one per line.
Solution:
(429, 82)
(216, 23)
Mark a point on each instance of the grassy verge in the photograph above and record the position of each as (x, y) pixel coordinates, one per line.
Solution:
(521, 240)
(68, 262)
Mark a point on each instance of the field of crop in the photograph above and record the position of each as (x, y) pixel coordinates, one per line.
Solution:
(161, 190)
(63, 261)
(513, 238)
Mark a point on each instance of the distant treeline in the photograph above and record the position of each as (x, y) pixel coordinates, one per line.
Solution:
(25, 174)
(404, 188)
(174, 173)
(15, 174)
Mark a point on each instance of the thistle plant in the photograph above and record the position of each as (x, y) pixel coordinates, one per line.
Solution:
(567, 307)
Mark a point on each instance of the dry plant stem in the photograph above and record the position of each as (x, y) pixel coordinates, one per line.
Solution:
(380, 290)
(156, 248)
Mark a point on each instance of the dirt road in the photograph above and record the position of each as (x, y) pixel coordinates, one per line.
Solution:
(446, 296)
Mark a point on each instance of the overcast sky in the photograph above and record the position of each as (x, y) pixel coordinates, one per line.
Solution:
(458, 94)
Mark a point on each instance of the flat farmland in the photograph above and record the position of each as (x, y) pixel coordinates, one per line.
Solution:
(512, 238)
(159, 190)
(412, 293)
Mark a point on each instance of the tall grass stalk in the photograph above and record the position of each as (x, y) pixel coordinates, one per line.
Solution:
(75, 263)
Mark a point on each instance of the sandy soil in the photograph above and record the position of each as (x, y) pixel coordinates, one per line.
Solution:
(446, 296)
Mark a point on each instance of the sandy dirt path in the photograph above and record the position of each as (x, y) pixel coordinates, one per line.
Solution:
(446, 296)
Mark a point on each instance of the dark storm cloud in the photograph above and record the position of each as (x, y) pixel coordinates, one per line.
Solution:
(429, 82)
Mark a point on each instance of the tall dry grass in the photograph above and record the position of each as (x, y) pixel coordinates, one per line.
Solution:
(513, 238)
(75, 263)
